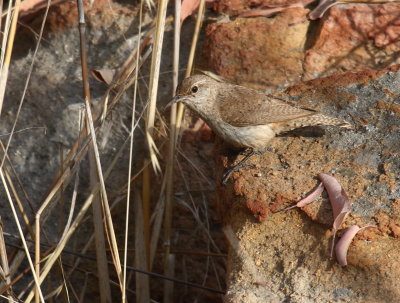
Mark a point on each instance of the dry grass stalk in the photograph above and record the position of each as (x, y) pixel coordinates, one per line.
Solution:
(61, 244)
(89, 242)
(100, 242)
(1, 21)
(5, 270)
(5, 62)
(7, 24)
(73, 158)
(95, 175)
(21, 233)
(151, 113)
(189, 67)
(131, 160)
(168, 295)
(169, 175)
(146, 197)
(76, 184)
(19, 203)
(176, 117)
(142, 281)
(109, 225)
(55, 189)
(10, 43)
(154, 77)
(76, 160)
(156, 221)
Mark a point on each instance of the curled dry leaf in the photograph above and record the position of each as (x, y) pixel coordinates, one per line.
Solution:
(341, 208)
(339, 201)
(103, 75)
(311, 197)
(343, 244)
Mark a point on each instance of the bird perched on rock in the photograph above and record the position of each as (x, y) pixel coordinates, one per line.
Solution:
(245, 117)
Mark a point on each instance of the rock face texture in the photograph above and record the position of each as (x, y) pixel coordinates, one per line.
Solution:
(354, 37)
(287, 48)
(286, 256)
(249, 51)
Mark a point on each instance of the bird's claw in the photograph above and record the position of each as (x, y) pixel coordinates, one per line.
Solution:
(231, 170)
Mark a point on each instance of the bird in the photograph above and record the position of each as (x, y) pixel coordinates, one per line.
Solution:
(243, 117)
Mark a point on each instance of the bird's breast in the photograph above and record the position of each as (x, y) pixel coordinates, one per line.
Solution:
(255, 137)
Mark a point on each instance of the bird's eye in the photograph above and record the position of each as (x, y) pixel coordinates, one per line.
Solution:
(195, 89)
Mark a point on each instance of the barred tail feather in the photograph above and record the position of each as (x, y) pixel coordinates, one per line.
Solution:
(320, 119)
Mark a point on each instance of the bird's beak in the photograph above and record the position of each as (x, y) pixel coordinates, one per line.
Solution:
(174, 100)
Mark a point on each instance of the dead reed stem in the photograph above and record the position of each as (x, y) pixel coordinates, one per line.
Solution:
(153, 88)
(176, 117)
(7, 59)
(189, 67)
(169, 175)
(5, 270)
(21, 233)
(128, 195)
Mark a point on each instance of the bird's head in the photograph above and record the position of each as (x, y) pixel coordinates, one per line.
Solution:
(197, 92)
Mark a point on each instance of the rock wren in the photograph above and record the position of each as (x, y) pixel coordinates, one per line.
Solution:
(245, 117)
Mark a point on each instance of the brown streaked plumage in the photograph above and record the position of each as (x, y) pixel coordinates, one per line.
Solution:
(245, 117)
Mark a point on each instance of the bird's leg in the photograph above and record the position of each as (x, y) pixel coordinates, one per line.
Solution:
(239, 166)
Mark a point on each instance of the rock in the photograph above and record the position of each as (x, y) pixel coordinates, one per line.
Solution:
(288, 48)
(290, 250)
(353, 38)
(259, 52)
(235, 7)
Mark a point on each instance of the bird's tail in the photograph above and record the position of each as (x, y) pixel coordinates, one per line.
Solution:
(320, 119)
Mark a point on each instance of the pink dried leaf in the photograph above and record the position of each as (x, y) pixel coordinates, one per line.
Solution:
(338, 199)
(188, 7)
(321, 9)
(30, 7)
(343, 244)
(311, 197)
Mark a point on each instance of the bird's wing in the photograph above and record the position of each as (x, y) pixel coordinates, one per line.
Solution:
(241, 107)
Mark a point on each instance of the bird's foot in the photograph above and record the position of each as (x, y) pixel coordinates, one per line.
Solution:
(231, 170)
(248, 153)
(233, 153)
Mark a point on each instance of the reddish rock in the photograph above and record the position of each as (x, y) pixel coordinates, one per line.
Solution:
(294, 246)
(264, 52)
(64, 13)
(354, 37)
(235, 7)
(287, 48)
(259, 209)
